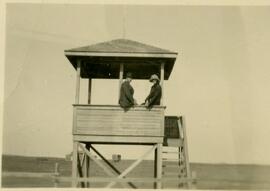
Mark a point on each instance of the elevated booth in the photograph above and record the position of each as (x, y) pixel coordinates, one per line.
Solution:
(110, 124)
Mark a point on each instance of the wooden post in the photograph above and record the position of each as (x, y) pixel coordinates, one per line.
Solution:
(89, 90)
(155, 167)
(75, 143)
(162, 82)
(74, 164)
(87, 165)
(77, 97)
(56, 174)
(121, 72)
(186, 151)
(80, 168)
(159, 148)
(159, 165)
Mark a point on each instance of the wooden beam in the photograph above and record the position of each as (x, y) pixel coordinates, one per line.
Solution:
(28, 174)
(78, 76)
(108, 172)
(118, 139)
(79, 168)
(56, 173)
(133, 165)
(162, 82)
(159, 164)
(74, 163)
(155, 167)
(121, 73)
(89, 90)
(107, 179)
(86, 165)
(110, 165)
(108, 54)
(185, 149)
(99, 163)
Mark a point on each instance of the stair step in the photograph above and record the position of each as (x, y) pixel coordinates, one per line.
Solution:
(178, 167)
(173, 175)
(176, 152)
(168, 159)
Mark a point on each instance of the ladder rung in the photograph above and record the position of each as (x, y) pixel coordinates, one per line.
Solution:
(174, 175)
(168, 159)
(176, 152)
(174, 166)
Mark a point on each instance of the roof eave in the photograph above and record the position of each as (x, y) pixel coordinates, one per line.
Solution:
(122, 54)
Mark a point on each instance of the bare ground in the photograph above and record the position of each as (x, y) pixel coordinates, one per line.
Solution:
(209, 176)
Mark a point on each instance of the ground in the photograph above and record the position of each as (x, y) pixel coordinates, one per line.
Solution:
(208, 176)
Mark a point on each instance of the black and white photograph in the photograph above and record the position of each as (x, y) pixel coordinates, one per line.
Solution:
(126, 95)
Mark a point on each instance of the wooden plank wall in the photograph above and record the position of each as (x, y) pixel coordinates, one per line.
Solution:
(138, 121)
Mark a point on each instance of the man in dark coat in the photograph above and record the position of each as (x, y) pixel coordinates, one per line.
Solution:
(126, 99)
(155, 94)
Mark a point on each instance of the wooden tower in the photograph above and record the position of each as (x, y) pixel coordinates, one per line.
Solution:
(110, 124)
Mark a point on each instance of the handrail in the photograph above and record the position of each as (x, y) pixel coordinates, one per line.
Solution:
(117, 106)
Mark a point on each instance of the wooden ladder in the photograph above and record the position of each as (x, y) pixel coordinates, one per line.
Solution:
(175, 158)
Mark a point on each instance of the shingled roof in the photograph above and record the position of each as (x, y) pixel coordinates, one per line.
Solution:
(102, 60)
(121, 46)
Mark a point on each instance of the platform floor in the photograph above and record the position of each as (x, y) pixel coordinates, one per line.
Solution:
(209, 176)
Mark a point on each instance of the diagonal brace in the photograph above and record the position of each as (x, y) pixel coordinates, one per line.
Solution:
(133, 165)
(112, 166)
(106, 170)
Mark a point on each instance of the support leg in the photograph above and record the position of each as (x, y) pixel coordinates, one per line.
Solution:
(186, 157)
(80, 168)
(159, 165)
(74, 164)
(87, 165)
(155, 167)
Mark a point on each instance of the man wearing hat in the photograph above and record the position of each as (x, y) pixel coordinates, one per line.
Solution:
(126, 99)
(155, 94)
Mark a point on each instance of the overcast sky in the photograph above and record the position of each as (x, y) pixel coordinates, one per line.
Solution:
(220, 81)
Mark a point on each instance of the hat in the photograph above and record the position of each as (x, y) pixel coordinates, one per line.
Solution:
(154, 77)
(129, 75)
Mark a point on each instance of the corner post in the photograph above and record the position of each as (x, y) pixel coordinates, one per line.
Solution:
(77, 97)
(121, 72)
(75, 143)
(186, 152)
(162, 83)
(89, 90)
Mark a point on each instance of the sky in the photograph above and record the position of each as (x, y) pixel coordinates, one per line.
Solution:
(219, 81)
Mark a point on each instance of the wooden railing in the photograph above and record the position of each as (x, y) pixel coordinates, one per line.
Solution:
(112, 120)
